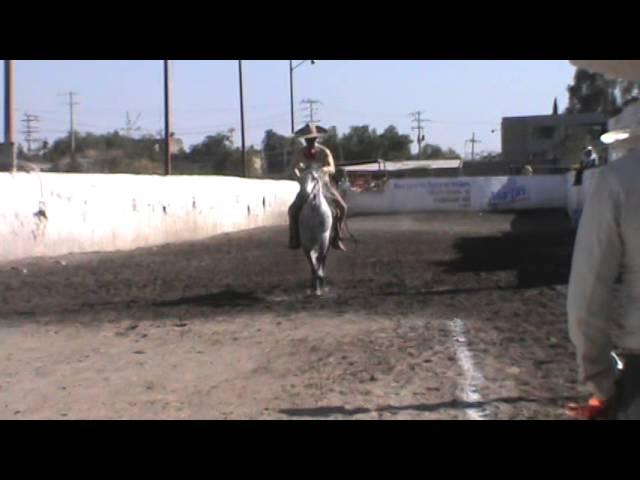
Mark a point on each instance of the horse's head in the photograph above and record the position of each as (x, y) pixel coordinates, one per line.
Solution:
(310, 181)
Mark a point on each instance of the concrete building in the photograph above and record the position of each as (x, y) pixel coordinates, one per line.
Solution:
(551, 141)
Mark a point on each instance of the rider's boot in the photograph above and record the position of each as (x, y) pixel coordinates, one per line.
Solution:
(337, 235)
(294, 236)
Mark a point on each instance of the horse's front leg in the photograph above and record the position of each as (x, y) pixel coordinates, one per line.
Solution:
(315, 280)
(318, 285)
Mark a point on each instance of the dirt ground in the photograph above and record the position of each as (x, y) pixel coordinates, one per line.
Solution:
(431, 316)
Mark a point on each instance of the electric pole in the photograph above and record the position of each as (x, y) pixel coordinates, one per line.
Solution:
(242, 130)
(30, 129)
(72, 128)
(9, 133)
(417, 119)
(131, 126)
(473, 142)
(311, 105)
(167, 117)
(292, 67)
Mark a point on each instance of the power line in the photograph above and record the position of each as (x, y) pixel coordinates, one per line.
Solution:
(72, 133)
(473, 142)
(9, 97)
(311, 106)
(417, 118)
(31, 128)
(131, 125)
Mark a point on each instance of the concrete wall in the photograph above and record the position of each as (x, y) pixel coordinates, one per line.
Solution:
(463, 194)
(53, 213)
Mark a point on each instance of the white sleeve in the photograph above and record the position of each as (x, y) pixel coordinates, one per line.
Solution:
(596, 264)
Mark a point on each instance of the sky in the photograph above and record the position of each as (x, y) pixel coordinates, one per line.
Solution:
(458, 97)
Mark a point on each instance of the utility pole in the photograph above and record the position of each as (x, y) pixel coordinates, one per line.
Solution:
(9, 132)
(473, 142)
(167, 117)
(30, 129)
(311, 104)
(72, 128)
(292, 67)
(131, 126)
(242, 136)
(417, 118)
(293, 126)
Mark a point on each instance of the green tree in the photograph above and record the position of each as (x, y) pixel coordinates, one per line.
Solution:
(278, 150)
(218, 152)
(360, 143)
(332, 141)
(432, 151)
(394, 146)
(593, 93)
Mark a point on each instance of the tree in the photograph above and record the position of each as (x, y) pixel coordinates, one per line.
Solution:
(278, 150)
(217, 151)
(94, 147)
(593, 93)
(394, 146)
(332, 141)
(628, 90)
(451, 153)
(360, 143)
(431, 151)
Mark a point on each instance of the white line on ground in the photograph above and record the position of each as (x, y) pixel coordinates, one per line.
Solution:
(472, 377)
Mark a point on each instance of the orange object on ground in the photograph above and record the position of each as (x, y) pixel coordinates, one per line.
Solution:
(593, 410)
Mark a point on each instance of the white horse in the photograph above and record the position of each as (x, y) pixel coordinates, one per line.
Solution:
(315, 226)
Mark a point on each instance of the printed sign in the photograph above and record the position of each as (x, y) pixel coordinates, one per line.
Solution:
(510, 194)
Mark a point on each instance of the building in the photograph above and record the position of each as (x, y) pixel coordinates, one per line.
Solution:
(551, 141)
(372, 176)
(401, 167)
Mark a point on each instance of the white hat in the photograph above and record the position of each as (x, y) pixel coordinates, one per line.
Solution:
(311, 130)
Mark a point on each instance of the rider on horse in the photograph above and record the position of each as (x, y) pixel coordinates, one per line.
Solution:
(315, 155)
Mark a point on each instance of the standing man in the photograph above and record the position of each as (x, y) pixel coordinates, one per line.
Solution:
(607, 247)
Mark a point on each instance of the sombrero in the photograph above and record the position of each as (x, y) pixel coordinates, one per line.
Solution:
(311, 130)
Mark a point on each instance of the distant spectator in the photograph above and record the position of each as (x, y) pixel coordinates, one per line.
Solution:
(590, 158)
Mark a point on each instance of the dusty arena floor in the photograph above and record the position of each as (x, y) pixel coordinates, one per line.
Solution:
(434, 316)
